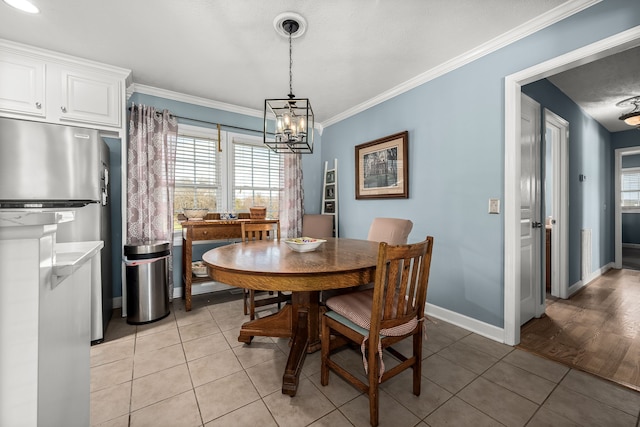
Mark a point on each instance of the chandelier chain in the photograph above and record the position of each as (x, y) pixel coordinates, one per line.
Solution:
(290, 67)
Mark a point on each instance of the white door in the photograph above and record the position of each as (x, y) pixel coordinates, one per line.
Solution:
(530, 224)
(557, 142)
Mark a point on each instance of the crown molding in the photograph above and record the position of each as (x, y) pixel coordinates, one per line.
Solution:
(190, 99)
(196, 100)
(551, 17)
(62, 58)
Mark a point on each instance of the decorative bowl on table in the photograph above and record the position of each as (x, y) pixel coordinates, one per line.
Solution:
(228, 216)
(304, 244)
(195, 213)
(199, 269)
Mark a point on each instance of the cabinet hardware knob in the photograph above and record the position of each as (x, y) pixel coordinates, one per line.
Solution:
(64, 109)
(38, 105)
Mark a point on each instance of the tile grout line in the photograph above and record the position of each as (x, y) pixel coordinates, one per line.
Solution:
(193, 388)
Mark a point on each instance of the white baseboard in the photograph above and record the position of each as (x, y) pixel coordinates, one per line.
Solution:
(488, 331)
(116, 302)
(200, 288)
(205, 288)
(590, 278)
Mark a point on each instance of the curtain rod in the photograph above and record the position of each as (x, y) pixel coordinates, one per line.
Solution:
(213, 123)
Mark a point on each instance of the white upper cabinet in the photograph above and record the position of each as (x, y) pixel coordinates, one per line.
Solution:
(22, 85)
(87, 96)
(40, 85)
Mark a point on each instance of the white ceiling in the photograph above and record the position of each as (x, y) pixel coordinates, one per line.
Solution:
(598, 86)
(352, 54)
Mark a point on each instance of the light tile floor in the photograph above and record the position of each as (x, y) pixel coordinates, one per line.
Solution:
(189, 370)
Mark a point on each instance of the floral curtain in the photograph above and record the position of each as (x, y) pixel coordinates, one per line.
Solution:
(292, 197)
(150, 178)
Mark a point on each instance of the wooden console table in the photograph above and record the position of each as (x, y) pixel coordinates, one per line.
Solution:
(207, 230)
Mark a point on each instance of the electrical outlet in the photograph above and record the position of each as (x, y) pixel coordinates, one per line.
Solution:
(494, 206)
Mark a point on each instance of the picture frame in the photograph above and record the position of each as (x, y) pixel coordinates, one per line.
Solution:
(330, 207)
(382, 168)
(331, 177)
(330, 192)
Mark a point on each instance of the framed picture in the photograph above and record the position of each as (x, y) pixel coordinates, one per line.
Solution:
(330, 192)
(329, 207)
(382, 168)
(331, 177)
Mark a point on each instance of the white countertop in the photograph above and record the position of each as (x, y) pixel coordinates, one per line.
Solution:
(21, 218)
(68, 257)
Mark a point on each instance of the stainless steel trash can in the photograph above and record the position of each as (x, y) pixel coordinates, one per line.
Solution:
(147, 278)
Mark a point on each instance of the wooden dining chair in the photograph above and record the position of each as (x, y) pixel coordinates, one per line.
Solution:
(318, 226)
(394, 231)
(250, 233)
(380, 317)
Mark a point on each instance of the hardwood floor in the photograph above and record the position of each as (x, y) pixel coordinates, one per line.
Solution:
(631, 258)
(597, 330)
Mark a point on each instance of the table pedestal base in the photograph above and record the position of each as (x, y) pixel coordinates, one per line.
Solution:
(298, 320)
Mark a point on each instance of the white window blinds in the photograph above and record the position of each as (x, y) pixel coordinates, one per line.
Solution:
(257, 177)
(197, 174)
(630, 188)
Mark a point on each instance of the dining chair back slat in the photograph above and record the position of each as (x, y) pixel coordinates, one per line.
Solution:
(259, 231)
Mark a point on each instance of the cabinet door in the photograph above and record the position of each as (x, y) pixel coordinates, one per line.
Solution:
(89, 97)
(21, 85)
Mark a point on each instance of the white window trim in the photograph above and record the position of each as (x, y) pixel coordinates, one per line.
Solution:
(629, 209)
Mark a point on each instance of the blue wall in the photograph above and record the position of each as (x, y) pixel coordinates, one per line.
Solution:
(626, 139)
(631, 161)
(591, 201)
(115, 176)
(456, 161)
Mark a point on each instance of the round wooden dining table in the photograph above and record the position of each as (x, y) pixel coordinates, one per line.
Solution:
(273, 266)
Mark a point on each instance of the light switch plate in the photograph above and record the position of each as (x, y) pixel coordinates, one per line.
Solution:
(494, 206)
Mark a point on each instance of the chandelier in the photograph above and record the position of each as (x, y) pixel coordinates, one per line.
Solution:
(290, 121)
(631, 118)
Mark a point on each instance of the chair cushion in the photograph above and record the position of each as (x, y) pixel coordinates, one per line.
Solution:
(317, 225)
(356, 307)
(394, 231)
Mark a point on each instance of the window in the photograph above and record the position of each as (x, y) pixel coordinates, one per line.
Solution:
(257, 177)
(198, 171)
(630, 188)
(243, 174)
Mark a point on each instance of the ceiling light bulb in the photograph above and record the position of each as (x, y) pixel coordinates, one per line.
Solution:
(23, 5)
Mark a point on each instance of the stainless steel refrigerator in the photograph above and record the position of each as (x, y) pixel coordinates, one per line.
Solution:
(54, 167)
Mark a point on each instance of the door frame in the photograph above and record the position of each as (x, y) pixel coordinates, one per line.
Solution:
(620, 152)
(560, 235)
(513, 84)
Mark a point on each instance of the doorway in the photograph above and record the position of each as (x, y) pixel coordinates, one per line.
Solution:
(619, 155)
(513, 83)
